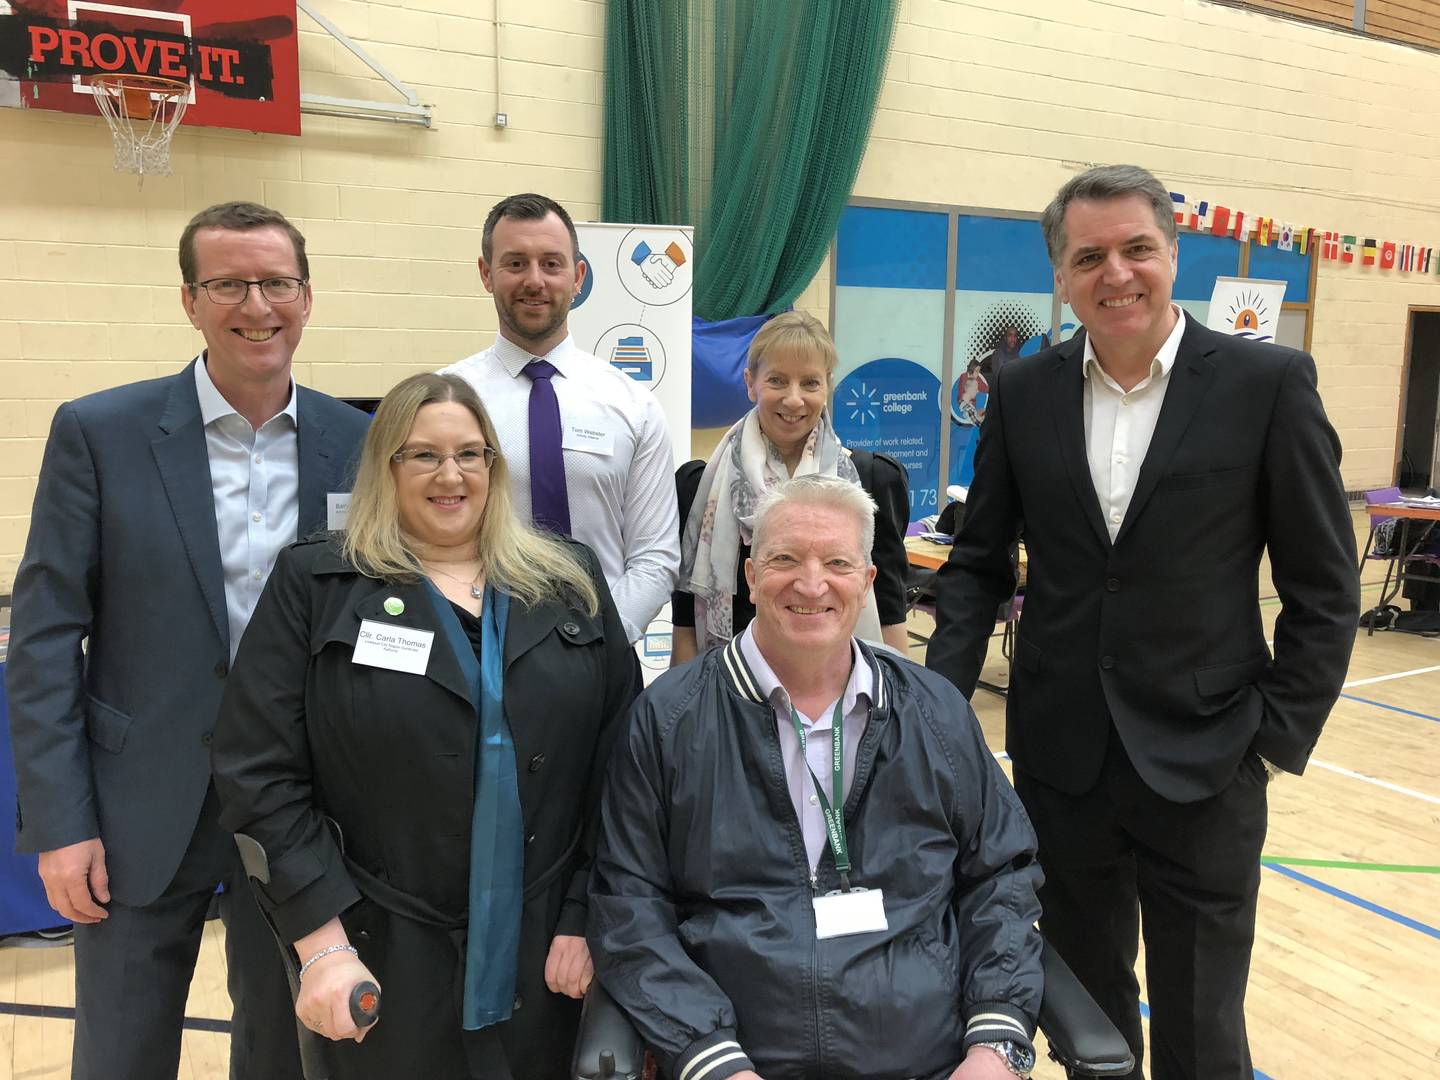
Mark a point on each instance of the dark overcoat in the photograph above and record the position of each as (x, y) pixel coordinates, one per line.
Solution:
(359, 783)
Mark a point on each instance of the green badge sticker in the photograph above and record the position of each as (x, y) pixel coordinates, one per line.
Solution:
(394, 606)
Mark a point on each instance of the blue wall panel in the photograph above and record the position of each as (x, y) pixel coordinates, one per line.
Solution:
(1002, 255)
(890, 249)
(1203, 258)
(1287, 266)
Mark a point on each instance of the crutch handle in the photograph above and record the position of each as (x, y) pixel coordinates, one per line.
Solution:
(365, 1004)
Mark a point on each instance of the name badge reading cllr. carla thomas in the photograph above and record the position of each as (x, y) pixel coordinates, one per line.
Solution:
(859, 911)
(395, 648)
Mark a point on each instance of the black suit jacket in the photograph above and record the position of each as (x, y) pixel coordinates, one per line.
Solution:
(1160, 631)
(123, 558)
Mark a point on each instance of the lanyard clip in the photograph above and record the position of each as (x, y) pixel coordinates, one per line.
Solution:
(844, 882)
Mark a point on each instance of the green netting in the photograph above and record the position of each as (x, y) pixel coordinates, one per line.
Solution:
(747, 119)
(646, 112)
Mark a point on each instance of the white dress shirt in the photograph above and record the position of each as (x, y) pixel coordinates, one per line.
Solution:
(620, 478)
(1119, 424)
(855, 709)
(255, 476)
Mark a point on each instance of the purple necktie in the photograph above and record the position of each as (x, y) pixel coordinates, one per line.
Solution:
(549, 501)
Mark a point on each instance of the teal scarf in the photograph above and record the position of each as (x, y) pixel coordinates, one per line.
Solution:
(497, 845)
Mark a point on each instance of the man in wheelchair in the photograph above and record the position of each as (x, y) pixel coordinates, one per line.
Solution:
(809, 863)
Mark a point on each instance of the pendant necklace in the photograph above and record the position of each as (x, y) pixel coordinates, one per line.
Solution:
(477, 591)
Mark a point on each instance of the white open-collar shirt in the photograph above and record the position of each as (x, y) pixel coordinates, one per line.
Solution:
(1120, 423)
(255, 478)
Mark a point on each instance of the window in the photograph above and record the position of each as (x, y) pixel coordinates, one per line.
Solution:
(1412, 22)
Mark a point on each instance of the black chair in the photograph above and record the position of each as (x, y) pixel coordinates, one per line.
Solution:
(1081, 1037)
(920, 587)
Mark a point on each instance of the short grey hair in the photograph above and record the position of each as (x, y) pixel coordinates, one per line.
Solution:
(817, 490)
(1099, 184)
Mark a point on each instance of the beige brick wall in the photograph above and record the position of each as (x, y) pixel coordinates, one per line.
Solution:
(987, 103)
(996, 103)
(392, 214)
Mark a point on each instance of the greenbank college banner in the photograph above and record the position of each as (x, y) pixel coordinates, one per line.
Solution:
(891, 284)
(889, 312)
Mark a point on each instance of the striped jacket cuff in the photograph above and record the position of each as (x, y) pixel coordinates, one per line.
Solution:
(714, 1057)
(994, 1021)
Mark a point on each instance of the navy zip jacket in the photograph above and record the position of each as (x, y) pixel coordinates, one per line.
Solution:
(701, 919)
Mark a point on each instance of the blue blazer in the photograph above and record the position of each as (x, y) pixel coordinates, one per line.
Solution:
(119, 639)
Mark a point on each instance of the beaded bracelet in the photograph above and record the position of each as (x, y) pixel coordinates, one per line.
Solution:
(326, 952)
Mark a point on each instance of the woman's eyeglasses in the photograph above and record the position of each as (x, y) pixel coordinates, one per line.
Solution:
(471, 459)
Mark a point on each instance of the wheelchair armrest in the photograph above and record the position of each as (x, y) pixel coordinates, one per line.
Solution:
(1081, 1037)
(608, 1045)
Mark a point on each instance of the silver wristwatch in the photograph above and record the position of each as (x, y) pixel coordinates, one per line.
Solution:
(1017, 1058)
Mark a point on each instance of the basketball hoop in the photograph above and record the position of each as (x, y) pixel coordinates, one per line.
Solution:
(142, 112)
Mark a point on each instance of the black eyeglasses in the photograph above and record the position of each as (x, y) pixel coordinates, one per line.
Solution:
(229, 290)
(471, 459)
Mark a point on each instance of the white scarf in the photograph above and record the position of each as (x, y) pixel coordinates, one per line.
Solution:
(744, 466)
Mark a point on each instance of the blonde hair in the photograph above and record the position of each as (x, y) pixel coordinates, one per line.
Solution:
(526, 563)
(794, 332)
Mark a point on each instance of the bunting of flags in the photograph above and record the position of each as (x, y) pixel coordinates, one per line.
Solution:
(1331, 246)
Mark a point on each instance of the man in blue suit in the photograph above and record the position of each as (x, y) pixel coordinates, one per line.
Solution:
(160, 510)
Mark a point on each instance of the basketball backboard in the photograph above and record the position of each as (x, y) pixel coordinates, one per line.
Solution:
(240, 58)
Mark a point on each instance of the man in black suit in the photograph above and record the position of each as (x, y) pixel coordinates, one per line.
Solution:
(1147, 463)
(160, 509)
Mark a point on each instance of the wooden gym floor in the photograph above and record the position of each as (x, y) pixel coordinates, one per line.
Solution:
(1345, 981)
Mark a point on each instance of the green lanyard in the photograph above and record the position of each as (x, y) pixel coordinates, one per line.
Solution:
(833, 809)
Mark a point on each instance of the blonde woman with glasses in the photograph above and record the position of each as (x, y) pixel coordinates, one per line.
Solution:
(414, 731)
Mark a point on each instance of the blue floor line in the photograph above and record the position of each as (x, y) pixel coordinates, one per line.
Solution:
(1392, 708)
(1351, 898)
(1145, 1014)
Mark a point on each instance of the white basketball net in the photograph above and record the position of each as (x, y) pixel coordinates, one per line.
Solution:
(142, 140)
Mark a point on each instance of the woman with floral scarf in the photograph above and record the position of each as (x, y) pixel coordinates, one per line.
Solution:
(788, 376)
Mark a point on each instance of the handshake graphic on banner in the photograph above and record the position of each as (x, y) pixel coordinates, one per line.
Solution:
(658, 267)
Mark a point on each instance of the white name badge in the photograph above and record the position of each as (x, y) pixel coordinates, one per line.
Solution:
(337, 510)
(860, 911)
(589, 433)
(395, 648)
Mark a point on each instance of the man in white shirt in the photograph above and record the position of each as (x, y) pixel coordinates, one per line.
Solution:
(1147, 463)
(551, 401)
(159, 511)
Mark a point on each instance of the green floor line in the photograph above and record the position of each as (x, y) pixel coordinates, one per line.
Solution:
(1335, 864)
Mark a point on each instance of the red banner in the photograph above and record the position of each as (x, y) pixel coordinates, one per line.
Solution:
(239, 56)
